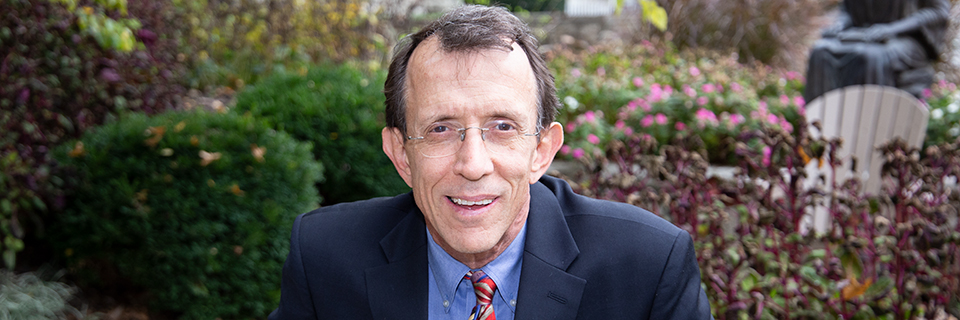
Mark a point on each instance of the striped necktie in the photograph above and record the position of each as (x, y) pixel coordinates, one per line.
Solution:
(483, 287)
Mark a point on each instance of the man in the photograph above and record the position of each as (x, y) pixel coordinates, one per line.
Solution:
(484, 234)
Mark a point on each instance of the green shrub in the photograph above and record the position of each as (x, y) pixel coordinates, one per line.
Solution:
(340, 110)
(194, 207)
(59, 76)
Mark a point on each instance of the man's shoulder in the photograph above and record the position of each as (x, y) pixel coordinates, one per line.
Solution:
(579, 209)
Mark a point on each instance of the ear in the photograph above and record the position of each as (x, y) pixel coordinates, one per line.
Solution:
(393, 147)
(551, 139)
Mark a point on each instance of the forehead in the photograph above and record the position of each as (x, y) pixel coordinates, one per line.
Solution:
(462, 85)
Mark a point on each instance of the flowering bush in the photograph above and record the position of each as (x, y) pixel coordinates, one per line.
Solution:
(610, 93)
(892, 257)
(944, 102)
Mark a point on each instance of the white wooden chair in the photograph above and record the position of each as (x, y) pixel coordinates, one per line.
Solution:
(866, 117)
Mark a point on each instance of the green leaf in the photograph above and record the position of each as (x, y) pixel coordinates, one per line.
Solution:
(851, 263)
(6, 206)
(10, 258)
(654, 14)
(733, 254)
(817, 254)
(880, 287)
(750, 281)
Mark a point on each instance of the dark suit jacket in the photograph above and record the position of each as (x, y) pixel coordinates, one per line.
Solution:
(583, 259)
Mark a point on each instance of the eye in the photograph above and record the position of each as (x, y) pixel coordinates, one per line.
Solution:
(504, 126)
(438, 129)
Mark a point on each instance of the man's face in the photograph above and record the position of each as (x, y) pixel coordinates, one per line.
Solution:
(474, 201)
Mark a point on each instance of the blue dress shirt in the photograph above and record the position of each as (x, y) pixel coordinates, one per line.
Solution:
(452, 297)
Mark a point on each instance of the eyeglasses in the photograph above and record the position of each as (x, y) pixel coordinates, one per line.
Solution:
(443, 139)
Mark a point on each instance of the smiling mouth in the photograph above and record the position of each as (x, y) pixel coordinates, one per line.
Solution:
(469, 203)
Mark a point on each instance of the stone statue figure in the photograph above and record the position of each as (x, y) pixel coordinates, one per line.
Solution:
(883, 42)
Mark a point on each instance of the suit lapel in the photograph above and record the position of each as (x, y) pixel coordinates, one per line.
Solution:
(398, 289)
(546, 290)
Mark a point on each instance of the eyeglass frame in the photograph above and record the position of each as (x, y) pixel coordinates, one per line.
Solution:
(483, 136)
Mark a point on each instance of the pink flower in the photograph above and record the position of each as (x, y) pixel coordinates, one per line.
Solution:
(571, 126)
(709, 88)
(661, 119)
(694, 71)
(589, 116)
(668, 90)
(784, 99)
(927, 93)
(628, 131)
(680, 126)
(736, 87)
(646, 121)
(578, 153)
(601, 71)
(786, 125)
(656, 93)
(704, 115)
(766, 155)
(791, 75)
(565, 150)
(645, 106)
(689, 91)
(772, 118)
(638, 82)
(575, 72)
(702, 101)
(619, 124)
(736, 119)
(593, 139)
(798, 100)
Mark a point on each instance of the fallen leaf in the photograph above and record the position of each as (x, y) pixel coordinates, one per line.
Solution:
(207, 157)
(194, 141)
(156, 134)
(257, 152)
(78, 150)
(236, 190)
(180, 126)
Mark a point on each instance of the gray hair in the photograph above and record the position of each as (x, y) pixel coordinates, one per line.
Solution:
(465, 29)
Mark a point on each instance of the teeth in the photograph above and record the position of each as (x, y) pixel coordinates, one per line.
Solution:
(471, 203)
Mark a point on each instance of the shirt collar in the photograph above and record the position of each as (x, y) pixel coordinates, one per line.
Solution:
(504, 269)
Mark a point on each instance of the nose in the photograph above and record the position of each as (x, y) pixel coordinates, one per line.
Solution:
(473, 160)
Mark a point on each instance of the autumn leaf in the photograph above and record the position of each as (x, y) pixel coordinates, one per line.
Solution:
(236, 190)
(78, 150)
(855, 288)
(803, 155)
(156, 134)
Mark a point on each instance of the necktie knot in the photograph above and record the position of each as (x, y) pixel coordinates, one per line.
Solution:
(483, 287)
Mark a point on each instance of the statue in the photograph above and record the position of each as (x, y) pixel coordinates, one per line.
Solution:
(883, 42)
